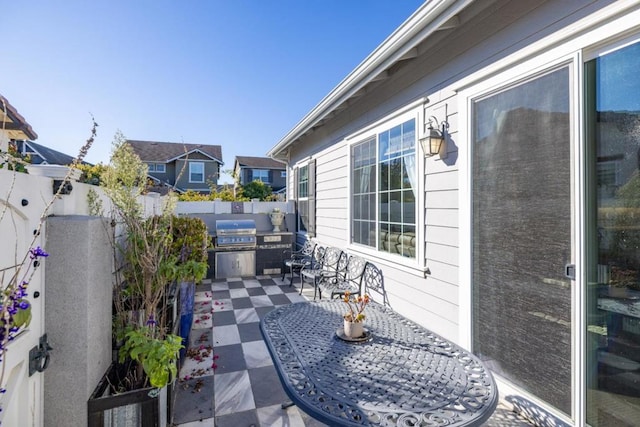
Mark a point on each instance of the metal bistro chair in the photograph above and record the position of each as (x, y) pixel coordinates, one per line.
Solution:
(298, 259)
(325, 269)
(373, 281)
(349, 280)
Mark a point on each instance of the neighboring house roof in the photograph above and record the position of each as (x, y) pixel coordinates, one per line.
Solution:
(48, 155)
(381, 64)
(13, 123)
(260, 163)
(164, 152)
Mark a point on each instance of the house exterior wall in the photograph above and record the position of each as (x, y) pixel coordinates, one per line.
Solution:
(168, 176)
(211, 172)
(499, 30)
(498, 46)
(276, 181)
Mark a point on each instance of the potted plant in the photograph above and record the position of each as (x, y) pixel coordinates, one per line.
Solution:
(354, 318)
(146, 364)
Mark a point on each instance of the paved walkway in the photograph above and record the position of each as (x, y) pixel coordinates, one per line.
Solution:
(226, 340)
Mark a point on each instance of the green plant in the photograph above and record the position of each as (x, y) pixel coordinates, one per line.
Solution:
(190, 243)
(146, 266)
(92, 174)
(193, 196)
(256, 190)
(157, 356)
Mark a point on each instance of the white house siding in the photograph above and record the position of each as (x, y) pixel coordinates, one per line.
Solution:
(503, 28)
(332, 195)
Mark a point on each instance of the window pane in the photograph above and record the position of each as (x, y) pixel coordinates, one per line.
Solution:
(363, 190)
(303, 182)
(613, 295)
(395, 206)
(384, 206)
(303, 215)
(196, 172)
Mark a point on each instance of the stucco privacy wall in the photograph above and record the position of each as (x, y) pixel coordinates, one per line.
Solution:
(78, 284)
(487, 32)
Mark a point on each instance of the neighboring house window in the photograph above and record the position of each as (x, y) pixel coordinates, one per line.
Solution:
(383, 190)
(260, 175)
(283, 174)
(304, 178)
(196, 172)
(156, 167)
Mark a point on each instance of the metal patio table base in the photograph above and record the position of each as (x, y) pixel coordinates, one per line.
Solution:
(404, 376)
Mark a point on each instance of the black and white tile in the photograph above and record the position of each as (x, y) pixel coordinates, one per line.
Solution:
(228, 377)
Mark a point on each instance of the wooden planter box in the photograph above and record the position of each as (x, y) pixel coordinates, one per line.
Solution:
(147, 407)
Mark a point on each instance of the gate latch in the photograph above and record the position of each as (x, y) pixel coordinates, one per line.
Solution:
(39, 356)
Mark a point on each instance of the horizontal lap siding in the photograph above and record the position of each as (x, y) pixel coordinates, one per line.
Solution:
(332, 195)
(428, 302)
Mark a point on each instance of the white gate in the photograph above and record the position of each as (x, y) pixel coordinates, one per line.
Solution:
(22, 202)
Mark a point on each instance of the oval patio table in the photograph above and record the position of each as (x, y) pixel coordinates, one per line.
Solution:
(404, 375)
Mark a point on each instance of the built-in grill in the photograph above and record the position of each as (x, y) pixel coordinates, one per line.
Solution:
(232, 233)
(235, 246)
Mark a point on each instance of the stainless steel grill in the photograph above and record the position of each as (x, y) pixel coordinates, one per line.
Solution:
(232, 233)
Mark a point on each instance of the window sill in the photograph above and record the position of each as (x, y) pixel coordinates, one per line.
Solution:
(407, 265)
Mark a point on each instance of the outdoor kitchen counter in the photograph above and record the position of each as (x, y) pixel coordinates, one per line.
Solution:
(270, 248)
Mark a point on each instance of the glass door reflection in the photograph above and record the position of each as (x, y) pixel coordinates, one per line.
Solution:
(613, 221)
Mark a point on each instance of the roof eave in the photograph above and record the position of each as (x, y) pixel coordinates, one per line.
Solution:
(424, 22)
(193, 151)
(17, 120)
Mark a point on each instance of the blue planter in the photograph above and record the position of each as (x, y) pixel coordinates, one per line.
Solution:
(187, 295)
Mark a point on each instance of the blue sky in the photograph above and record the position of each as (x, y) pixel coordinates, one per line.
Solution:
(235, 73)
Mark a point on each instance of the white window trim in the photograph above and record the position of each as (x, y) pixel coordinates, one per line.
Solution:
(283, 174)
(162, 166)
(191, 164)
(298, 198)
(415, 265)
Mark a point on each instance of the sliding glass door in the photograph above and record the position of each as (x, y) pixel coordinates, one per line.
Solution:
(522, 234)
(612, 89)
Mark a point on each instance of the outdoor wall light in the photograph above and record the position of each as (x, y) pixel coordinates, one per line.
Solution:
(434, 140)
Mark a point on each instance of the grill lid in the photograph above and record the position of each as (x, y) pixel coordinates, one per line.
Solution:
(225, 227)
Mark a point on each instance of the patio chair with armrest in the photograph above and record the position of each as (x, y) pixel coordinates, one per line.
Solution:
(309, 270)
(373, 282)
(296, 260)
(327, 268)
(349, 279)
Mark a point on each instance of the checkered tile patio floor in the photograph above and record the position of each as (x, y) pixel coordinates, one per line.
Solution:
(227, 378)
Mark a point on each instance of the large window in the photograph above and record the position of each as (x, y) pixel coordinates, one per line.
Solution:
(383, 190)
(260, 175)
(196, 172)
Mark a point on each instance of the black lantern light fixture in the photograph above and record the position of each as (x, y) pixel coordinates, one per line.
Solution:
(434, 140)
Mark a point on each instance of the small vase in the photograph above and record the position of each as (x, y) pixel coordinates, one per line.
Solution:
(353, 329)
(276, 220)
